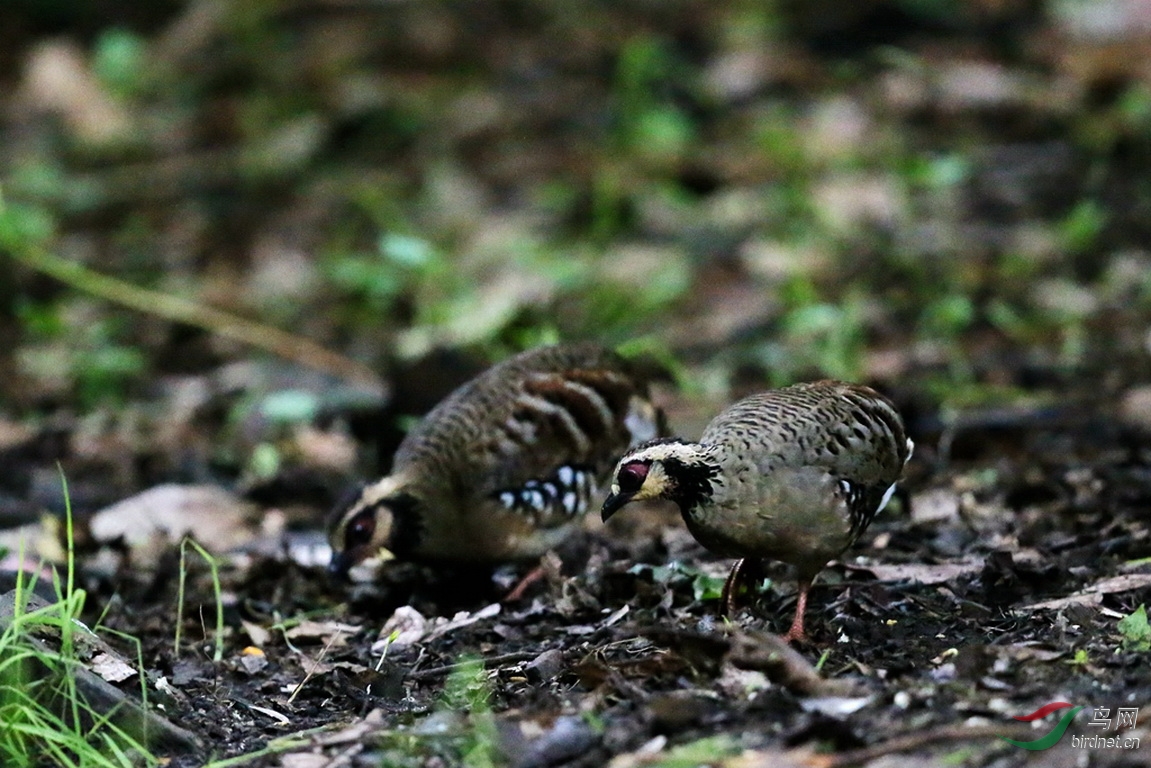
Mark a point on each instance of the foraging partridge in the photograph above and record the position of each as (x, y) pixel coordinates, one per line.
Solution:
(794, 474)
(505, 466)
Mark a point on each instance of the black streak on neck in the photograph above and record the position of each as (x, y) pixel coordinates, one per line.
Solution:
(407, 529)
(693, 483)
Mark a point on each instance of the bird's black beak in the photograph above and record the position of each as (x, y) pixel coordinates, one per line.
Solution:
(613, 504)
(339, 566)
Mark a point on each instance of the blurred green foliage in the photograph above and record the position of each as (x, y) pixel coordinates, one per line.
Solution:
(687, 144)
(120, 61)
(650, 126)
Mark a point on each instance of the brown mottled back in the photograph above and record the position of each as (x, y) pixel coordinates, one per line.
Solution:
(506, 465)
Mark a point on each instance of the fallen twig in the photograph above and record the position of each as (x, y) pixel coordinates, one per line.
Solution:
(914, 741)
(783, 665)
(298, 349)
(490, 661)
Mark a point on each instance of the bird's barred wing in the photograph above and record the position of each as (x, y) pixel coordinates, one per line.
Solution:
(563, 433)
(555, 500)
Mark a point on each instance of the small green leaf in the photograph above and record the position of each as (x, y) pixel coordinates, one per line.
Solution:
(940, 172)
(1135, 631)
(705, 587)
(948, 315)
(709, 750)
(1080, 659)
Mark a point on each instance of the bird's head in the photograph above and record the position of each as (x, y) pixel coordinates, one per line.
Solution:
(377, 519)
(667, 468)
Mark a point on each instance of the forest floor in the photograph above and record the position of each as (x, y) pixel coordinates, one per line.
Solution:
(995, 585)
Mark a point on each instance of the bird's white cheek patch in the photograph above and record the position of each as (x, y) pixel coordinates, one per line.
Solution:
(655, 485)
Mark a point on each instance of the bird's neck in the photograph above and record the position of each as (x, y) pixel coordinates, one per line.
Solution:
(404, 501)
(695, 470)
(408, 528)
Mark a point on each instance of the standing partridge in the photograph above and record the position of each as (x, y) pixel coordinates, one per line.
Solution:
(504, 467)
(794, 474)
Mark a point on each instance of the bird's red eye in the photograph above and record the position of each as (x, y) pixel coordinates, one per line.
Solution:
(360, 530)
(631, 476)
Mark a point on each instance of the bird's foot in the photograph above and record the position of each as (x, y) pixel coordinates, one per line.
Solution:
(518, 591)
(796, 633)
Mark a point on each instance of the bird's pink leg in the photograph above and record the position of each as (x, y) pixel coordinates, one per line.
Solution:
(796, 631)
(518, 591)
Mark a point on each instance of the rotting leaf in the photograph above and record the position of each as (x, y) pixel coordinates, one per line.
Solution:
(592, 672)
(595, 674)
(703, 652)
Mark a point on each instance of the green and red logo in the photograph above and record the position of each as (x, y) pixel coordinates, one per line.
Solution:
(1055, 734)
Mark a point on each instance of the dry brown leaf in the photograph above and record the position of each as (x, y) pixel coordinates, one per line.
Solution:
(314, 666)
(215, 518)
(257, 634)
(305, 760)
(58, 79)
(111, 668)
(924, 573)
(463, 619)
(1093, 594)
(935, 505)
(331, 632)
(405, 627)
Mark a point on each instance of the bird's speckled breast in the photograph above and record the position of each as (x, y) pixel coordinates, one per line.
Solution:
(791, 459)
(798, 516)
